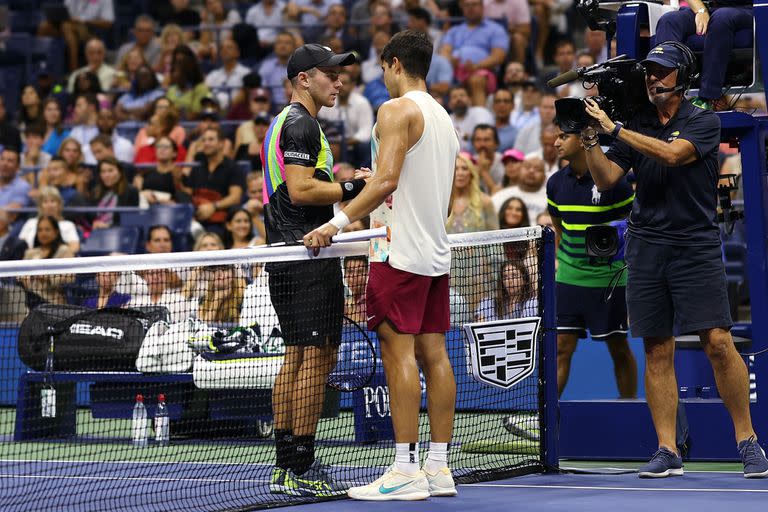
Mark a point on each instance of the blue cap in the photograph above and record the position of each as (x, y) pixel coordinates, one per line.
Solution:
(666, 55)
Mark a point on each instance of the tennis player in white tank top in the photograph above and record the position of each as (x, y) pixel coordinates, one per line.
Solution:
(415, 148)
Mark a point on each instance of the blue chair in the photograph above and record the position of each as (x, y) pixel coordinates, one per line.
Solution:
(107, 240)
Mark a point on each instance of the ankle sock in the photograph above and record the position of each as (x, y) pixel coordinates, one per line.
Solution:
(407, 458)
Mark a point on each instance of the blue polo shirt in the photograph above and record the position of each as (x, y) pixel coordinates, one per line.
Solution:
(674, 205)
(475, 43)
(578, 204)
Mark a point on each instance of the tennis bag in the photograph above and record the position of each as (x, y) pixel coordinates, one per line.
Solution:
(85, 339)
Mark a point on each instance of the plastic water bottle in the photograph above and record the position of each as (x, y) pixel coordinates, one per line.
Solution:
(139, 423)
(162, 436)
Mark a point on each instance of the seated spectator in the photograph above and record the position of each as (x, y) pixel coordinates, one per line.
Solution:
(376, 93)
(242, 100)
(503, 105)
(112, 190)
(54, 126)
(355, 277)
(160, 125)
(57, 175)
(266, 16)
(274, 69)
(513, 79)
(544, 219)
(515, 296)
(381, 20)
(85, 113)
(512, 160)
(530, 97)
(547, 152)
(334, 24)
(48, 243)
(88, 83)
(11, 247)
(33, 155)
(215, 14)
(216, 184)
(160, 185)
(72, 154)
(565, 60)
(485, 144)
(476, 48)
(209, 118)
(595, 45)
(126, 70)
(529, 136)
(108, 294)
(356, 113)
(472, 209)
(143, 39)
(95, 52)
(101, 148)
(250, 136)
(222, 298)
(718, 26)
(50, 204)
(465, 118)
(106, 122)
(177, 133)
(170, 38)
(371, 67)
(240, 230)
(254, 204)
(137, 103)
(517, 15)
(208, 241)
(9, 134)
(513, 214)
(530, 188)
(187, 87)
(14, 190)
(160, 241)
(229, 75)
(158, 291)
(31, 111)
(84, 16)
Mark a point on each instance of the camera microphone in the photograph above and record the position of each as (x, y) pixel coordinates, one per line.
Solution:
(662, 90)
(564, 78)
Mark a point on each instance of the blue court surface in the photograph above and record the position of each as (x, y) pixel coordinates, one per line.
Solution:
(117, 486)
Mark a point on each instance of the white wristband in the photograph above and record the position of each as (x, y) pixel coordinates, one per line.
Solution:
(339, 221)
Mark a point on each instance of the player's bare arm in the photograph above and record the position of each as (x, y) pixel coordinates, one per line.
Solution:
(306, 190)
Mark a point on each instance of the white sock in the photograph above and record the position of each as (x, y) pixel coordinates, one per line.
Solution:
(437, 457)
(407, 458)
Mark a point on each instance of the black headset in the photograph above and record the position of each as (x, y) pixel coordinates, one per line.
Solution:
(687, 72)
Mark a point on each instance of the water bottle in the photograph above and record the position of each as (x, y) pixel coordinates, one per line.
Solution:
(139, 423)
(162, 436)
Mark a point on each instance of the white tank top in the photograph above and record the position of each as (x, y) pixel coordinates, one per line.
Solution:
(417, 211)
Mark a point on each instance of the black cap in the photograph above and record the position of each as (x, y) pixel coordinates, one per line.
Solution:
(316, 55)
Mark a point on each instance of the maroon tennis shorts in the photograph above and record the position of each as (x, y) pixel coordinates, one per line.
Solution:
(414, 304)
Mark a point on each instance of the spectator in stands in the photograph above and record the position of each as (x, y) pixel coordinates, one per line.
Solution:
(50, 204)
(547, 152)
(161, 124)
(334, 25)
(254, 182)
(187, 88)
(215, 14)
(48, 244)
(240, 109)
(476, 48)
(209, 118)
(595, 44)
(216, 184)
(229, 75)
(95, 52)
(208, 241)
(84, 115)
(718, 27)
(57, 175)
(143, 39)
(161, 183)
(381, 20)
(513, 79)
(485, 145)
(530, 188)
(88, 83)
(530, 97)
(308, 13)
(34, 156)
(109, 293)
(549, 14)
(222, 299)
(356, 113)
(544, 219)
(9, 134)
(440, 75)
(239, 232)
(472, 209)
(136, 104)
(177, 133)
(514, 297)
(159, 240)
(170, 38)
(503, 105)
(529, 137)
(14, 190)
(517, 16)
(249, 138)
(54, 126)
(106, 122)
(11, 247)
(160, 291)
(266, 16)
(565, 59)
(512, 160)
(274, 68)
(31, 111)
(112, 190)
(101, 148)
(84, 16)
(513, 214)
(355, 277)
(464, 117)
(125, 74)
(371, 67)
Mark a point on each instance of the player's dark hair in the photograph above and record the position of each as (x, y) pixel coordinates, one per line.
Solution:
(414, 51)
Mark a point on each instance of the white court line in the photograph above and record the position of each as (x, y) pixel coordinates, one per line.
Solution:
(597, 488)
(137, 478)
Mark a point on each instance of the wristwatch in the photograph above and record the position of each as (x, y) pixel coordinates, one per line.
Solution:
(702, 10)
(618, 125)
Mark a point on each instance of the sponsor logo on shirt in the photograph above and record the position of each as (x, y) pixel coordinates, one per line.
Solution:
(296, 154)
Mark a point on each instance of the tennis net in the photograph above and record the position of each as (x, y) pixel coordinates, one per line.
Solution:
(198, 337)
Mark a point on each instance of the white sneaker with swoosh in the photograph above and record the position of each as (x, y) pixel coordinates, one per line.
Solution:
(393, 485)
(441, 483)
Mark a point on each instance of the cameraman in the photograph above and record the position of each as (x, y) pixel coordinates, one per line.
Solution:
(676, 273)
(574, 205)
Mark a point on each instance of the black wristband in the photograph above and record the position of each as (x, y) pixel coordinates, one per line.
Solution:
(350, 189)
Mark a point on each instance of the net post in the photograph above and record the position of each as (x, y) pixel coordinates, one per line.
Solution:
(551, 419)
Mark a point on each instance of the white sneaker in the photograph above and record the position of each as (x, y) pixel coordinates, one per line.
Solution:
(441, 483)
(393, 485)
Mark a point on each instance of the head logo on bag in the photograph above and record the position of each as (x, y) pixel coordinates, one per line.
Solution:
(96, 330)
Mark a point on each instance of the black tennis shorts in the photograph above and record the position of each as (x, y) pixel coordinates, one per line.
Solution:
(580, 308)
(308, 297)
(675, 289)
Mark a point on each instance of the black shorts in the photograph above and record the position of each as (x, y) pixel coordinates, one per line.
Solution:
(675, 290)
(580, 308)
(308, 297)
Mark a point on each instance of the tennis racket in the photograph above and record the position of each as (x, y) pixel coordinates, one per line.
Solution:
(356, 363)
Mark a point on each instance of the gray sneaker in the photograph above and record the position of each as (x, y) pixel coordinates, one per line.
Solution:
(664, 463)
(753, 457)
